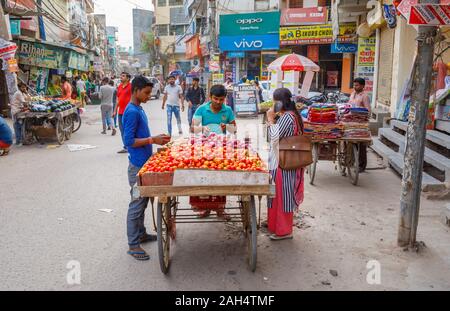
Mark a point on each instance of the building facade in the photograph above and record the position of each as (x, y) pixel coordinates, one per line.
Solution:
(142, 25)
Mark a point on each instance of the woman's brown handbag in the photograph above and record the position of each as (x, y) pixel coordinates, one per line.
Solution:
(295, 152)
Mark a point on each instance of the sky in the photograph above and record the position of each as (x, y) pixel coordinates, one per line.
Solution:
(119, 13)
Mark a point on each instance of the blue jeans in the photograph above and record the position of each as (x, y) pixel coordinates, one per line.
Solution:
(191, 113)
(136, 210)
(17, 130)
(115, 116)
(173, 110)
(121, 129)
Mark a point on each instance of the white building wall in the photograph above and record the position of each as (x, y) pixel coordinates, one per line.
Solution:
(405, 48)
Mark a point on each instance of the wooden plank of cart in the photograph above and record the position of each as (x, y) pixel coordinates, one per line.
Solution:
(247, 186)
(344, 151)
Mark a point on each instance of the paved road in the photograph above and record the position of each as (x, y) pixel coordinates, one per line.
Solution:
(49, 216)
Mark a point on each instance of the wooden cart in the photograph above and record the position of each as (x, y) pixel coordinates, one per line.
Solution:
(247, 186)
(39, 125)
(345, 151)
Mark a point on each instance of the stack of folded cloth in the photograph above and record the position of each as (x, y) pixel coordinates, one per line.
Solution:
(323, 113)
(322, 131)
(355, 115)
(356, 130)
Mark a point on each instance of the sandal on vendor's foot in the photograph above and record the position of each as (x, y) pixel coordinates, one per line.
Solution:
(148, 238)
(204, 214)
(139, 254)
(275, 237)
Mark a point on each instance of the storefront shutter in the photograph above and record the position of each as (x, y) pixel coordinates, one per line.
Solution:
(385, 66)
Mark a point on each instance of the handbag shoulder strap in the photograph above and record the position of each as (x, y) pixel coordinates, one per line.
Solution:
(298, 129)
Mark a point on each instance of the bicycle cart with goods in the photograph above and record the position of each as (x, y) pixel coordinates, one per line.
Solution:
(344, 151)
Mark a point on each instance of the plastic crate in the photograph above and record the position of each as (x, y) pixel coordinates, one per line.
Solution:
(211, 202)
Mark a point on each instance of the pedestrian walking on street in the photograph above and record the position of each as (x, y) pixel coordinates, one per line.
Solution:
(123, 99)
(195, 97)
(111, 83)
(19, 103)
(173, 97)
(284, 121)
(81, 88)
(139, 142)
(360, 99)
(106, 95)
(5, 137)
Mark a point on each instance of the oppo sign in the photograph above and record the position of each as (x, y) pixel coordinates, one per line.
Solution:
(249, 21)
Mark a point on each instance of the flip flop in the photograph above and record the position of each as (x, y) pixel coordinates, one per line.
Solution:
(275, 237)
(139, 255)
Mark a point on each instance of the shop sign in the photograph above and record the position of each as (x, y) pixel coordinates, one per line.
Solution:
(193, 48)
(339, 48)
(78, 61)
(39, 79)
(366, 52)
(249, 43)
(214, 66)
(316, 34)
(13, 65)
(304, 16)
(430, 15)
(250, 24)
(40, 55)
(236, 54)
(15, 27)
(218, 78)
(245, 100)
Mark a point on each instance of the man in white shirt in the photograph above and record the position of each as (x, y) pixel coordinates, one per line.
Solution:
(81, 86)
(173, 97)
(19, 103)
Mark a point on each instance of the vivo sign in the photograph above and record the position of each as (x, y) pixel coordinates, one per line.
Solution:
(249, 43)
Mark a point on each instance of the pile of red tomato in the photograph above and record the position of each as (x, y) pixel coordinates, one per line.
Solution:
(212, 153)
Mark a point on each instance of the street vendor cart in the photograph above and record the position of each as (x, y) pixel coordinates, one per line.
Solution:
(344, 151)
(59, 125)
(208, 190)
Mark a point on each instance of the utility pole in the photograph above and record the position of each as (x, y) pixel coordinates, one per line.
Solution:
(213, 7)
(416, 135)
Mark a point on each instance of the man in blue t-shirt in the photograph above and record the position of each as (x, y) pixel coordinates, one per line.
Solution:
(5, 137)
(214, 116)
(138, 140)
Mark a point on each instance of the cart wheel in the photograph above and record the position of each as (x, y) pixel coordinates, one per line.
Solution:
(76, 122)
(163, 219)
(341, 159)
(60, 132)
(251, 232)
(313, 167)
(27, 132)
(353, 162)
(68, 127)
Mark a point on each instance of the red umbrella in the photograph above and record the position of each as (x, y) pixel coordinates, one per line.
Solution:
(294, 62)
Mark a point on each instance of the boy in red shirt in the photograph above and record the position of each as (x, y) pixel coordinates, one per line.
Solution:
(123, 99)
